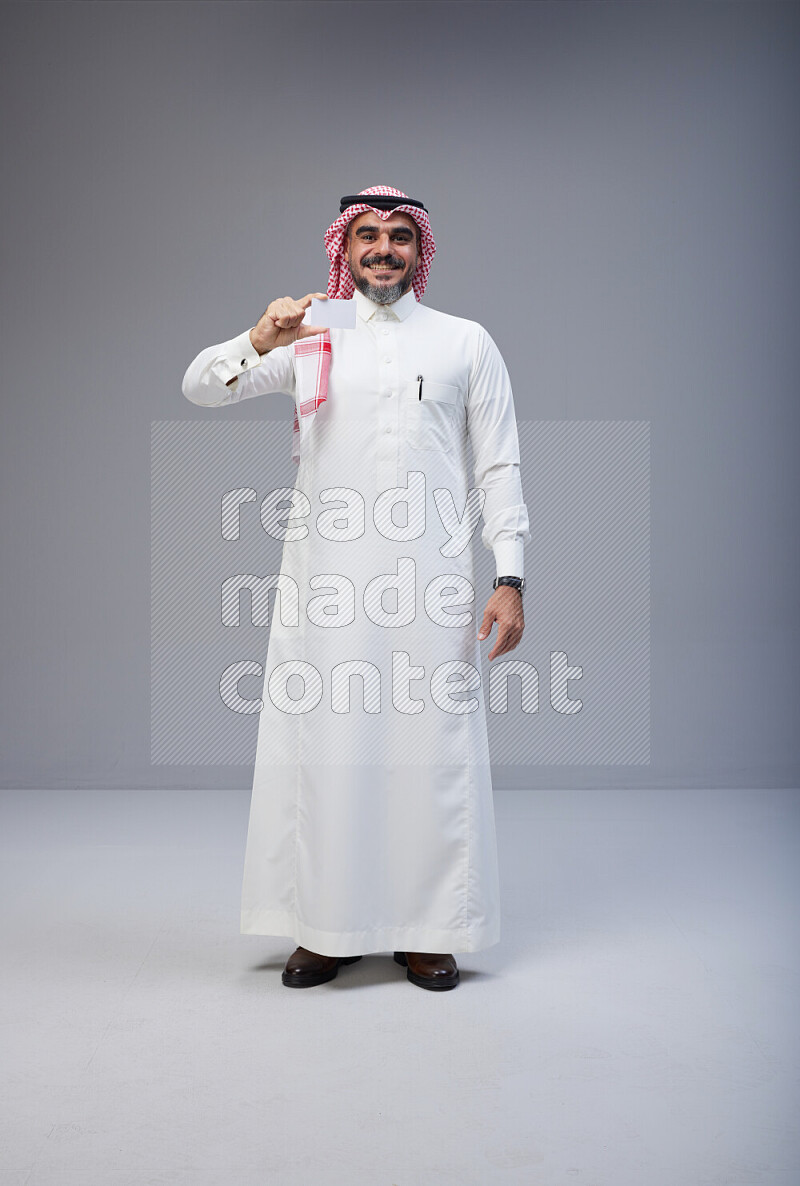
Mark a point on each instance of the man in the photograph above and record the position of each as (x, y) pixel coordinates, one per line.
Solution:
(371, 821)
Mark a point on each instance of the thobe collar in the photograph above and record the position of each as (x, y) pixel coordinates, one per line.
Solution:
(400, 309)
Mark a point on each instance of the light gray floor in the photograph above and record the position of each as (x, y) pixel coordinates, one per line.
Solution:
(636, 1026)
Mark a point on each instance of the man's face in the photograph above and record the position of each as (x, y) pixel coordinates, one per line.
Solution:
(382, 255)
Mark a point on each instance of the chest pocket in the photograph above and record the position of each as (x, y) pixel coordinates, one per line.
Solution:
(431, 422)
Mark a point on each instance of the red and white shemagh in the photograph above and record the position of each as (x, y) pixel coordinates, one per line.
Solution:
(313, 355)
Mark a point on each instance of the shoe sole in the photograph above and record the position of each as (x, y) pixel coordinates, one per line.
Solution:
(425, 981)
(308, 980)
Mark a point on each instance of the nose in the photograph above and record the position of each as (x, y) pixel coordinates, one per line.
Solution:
(384, 246)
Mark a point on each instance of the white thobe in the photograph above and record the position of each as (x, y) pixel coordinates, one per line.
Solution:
(372, 819)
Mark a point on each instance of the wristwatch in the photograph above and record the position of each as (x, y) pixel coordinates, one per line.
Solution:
(517, 583)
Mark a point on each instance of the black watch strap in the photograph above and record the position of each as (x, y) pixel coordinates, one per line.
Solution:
(517, 583)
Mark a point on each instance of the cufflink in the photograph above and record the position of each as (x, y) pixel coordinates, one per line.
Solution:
(244, 362)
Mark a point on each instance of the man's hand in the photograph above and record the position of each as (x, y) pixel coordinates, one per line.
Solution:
(281, 323)
(505, 608)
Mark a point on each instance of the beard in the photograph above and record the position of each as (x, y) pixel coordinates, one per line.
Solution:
(384, 294)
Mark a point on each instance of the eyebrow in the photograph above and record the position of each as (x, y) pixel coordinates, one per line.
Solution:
(403, 230)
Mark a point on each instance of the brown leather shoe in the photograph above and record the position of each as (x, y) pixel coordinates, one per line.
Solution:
(428, 970)
(305, 968)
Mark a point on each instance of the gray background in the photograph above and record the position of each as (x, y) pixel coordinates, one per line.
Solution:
(613, 190)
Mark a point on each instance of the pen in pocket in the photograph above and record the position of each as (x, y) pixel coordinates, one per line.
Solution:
(419, 380)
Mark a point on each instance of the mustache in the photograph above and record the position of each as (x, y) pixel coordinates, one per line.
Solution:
(374, 260)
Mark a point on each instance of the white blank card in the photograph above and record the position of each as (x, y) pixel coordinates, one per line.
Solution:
(332, 314)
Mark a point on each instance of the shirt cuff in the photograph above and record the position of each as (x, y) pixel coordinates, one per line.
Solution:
(508, 557)
(239, 355)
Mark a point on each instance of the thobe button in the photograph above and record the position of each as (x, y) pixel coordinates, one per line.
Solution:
(388, 428)
(387, 360)
(386, 331)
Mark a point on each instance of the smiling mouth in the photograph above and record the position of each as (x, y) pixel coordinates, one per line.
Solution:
(383, 269)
